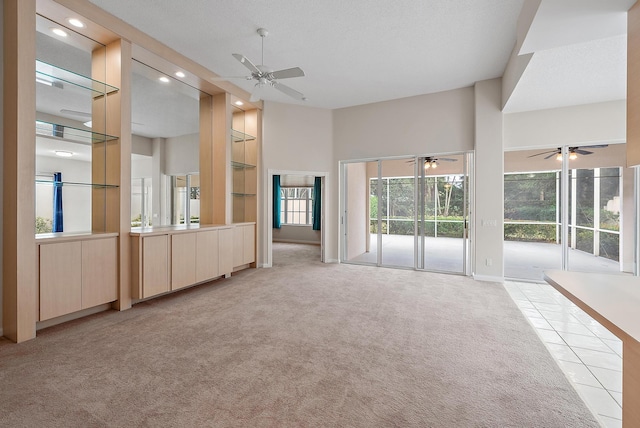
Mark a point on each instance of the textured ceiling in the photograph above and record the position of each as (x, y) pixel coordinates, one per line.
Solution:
(353, 52)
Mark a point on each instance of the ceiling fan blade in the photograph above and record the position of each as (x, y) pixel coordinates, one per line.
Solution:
(550, 156)
(289, 91)
(544, 153)
(447, 159)
(288, 73)
(245, 61)
(221, 78)
(582, 152)
(599, 146)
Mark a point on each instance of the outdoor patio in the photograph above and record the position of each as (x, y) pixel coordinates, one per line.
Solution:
(523, 260)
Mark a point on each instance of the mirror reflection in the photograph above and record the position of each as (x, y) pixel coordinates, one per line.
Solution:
(64, 137)
(165, 188)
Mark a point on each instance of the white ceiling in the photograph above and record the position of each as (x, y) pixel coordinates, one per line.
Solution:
(353, 52)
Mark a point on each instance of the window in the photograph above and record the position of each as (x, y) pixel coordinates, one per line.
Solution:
(297, 205)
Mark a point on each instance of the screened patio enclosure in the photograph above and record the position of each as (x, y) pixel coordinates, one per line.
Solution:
(408, 213)
(565, 211)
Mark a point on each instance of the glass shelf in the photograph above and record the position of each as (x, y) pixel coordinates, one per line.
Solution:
(237, 136)
(71, 183)
(240, 165)
(76, 135)
(51, 75)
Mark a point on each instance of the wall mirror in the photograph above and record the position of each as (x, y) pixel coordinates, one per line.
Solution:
(165, 116)
(66, 187)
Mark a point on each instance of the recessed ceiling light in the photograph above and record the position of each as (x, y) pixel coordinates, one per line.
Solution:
(164, 79)
(63, 153)
(88, 124)
(239, 103)
(180, 74)
(59, 32)
(76, 22)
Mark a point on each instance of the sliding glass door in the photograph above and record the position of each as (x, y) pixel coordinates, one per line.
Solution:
(443, 214)
(415, 209)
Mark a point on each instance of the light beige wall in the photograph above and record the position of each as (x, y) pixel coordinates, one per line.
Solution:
(424, 124)
(298, 140)
(576, 125)
(141, 145)
(182, 154)
(299, 234)
(489, 183)
(357, 209)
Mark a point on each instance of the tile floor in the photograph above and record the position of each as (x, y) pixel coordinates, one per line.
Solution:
(589, 355)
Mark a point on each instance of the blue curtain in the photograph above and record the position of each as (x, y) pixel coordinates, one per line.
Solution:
(57, 202)
(317, 204)
(276, 202)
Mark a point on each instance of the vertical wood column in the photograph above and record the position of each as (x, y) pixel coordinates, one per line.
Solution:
(214, 160)
(252, 127)
(119, 123)
(111, 160)
(630, 383)
(633, 86)
(19, 276)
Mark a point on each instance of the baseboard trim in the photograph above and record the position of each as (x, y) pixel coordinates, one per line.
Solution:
(296, 241)
(332, 261)
(265, 265)
(489, 278)
(72, 316)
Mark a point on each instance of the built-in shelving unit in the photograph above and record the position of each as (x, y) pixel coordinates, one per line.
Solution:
(86, 162)
(54, 76)
(244, 161)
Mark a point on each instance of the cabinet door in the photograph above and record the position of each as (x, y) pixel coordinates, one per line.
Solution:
(238, 246)
(99, 272)
(249, 244)
(183, 260)
(155, 266)
(207, 255)
(60, 279)
(226, 250)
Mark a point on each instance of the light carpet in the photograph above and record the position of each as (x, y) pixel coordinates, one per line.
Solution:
(302, 344)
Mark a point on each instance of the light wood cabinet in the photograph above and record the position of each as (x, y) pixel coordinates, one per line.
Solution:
(168, 259)
(207, 255)
(226, 253)
(60, 279)
(99, 272)
(77, 275)
(183, 260)
(155, 265)
(244, 244)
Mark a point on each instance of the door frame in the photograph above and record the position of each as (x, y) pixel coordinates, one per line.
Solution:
(268, 213)
(468, 167)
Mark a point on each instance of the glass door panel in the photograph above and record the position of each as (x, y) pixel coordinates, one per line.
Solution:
(531, 222)
(594, 220)
(442, 213)
(397, 211)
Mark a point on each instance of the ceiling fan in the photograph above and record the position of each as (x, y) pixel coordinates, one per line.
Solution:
(432, 162)
(573, 152)
(266, 77)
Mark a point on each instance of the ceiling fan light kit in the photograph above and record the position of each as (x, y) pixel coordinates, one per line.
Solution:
(266, 77)
(573, 152)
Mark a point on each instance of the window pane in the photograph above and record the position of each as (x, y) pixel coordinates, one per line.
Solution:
(296, 205)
